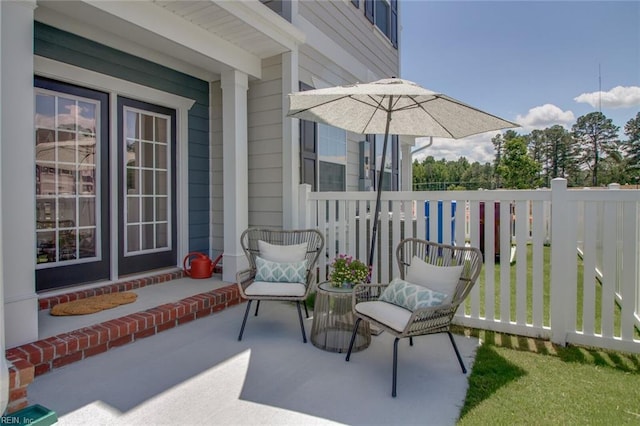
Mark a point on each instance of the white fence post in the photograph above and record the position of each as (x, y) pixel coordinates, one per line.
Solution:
(304, 218)
(561, 252)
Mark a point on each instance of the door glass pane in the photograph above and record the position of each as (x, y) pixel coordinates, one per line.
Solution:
(147, 209)
(161, 156)
(67, 242)
(147, 154)
(133, 181)
(46, 247)
(147, 182)
(161, 209)
(162, 126)
(66, 177)
(133, 238)
(147, 165)
(148, 237)
(87, 213)
(133, 212)
(162, 237)
(161, 183)
(87, 243)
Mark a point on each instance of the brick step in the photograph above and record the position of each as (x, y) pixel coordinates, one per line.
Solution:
(36, 358)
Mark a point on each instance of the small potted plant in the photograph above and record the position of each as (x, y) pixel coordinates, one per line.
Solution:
(347, 271)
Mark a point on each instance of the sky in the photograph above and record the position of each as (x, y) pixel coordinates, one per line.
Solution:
(535, 63)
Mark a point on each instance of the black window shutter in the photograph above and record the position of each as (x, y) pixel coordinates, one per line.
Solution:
(368, 10)
(356, 3)
(394, 23)
(308, 149)
(395, 163)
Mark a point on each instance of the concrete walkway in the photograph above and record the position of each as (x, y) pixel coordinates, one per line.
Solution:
(198, 373)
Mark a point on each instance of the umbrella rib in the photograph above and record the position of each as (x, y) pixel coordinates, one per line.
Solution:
(452, 100)
(377, 107)
(320, 104)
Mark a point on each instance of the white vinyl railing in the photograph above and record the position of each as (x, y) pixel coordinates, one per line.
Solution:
(536, 245)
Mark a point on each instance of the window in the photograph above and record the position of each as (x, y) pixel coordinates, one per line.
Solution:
(66, 136)
(332, 157)
(384, 14)
(381, 16)
(391, 167)
(147, 185)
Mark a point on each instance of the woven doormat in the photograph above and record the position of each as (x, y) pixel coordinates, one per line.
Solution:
(93, 304)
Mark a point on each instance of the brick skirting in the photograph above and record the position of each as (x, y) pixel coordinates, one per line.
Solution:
(33, 359)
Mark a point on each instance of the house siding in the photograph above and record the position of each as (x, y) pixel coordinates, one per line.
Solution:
(264, 110)
(347, 26)
(65, 47)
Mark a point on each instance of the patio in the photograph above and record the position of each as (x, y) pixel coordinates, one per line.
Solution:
(199, 372)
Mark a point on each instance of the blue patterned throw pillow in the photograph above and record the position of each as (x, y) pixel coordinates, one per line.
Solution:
(411, 296)
(281, 272)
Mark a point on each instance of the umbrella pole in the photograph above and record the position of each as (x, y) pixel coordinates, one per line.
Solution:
(374, 232)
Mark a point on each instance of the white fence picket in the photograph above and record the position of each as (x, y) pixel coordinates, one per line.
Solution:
(600, 225)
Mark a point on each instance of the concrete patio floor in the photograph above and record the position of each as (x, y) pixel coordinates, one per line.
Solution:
(199, 373)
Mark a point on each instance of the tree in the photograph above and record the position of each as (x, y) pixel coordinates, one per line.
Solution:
(537, 142)
(499, 142)
(596, 136)
(517, 169)
(632, 131)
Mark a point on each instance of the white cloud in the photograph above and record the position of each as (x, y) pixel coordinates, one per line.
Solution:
(474, 148)
(544, 116)
(618, 97)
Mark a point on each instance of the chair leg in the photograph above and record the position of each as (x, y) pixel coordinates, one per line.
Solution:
(353, 338)
(455, 347)
(257, 306)
(395, 367)
(304, 303)
(410, 341)
(304, 336)
(244, 321)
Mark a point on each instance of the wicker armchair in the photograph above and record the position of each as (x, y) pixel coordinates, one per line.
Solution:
(251, 290)
(401, 322)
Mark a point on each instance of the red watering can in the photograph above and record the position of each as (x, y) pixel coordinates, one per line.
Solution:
(201, 265)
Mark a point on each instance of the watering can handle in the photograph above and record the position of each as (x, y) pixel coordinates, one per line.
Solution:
(189, 256)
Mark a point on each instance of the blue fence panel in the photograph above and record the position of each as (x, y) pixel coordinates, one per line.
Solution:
(440, 221)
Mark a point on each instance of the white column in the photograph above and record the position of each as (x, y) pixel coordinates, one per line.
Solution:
(235, 170)
(18, 173)
(290, 143)
(4, 372)
(406, 172)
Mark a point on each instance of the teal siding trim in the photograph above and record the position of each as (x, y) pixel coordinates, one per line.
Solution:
(62, 46)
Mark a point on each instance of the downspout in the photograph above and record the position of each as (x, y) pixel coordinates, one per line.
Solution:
(415, 151)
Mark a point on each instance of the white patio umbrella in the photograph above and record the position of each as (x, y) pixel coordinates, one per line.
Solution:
(392, 106)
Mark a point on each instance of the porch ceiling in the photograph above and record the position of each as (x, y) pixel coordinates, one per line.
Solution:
(200, 37)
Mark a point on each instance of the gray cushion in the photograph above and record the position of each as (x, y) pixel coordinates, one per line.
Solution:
(443, 279)
(282, 253)
(389, 314)
(262, 288)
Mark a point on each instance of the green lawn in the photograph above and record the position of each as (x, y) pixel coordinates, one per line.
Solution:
(526, 382)
(546, 253)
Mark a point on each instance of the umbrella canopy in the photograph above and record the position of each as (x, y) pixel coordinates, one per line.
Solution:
(392, 106)
(414, 110)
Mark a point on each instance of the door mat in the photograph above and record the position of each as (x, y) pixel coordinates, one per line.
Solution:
(93, 304)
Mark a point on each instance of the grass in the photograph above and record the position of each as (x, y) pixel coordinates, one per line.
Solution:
(523, 381)
(546, 294)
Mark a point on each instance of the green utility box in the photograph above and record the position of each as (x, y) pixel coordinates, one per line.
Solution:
(34, 415)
